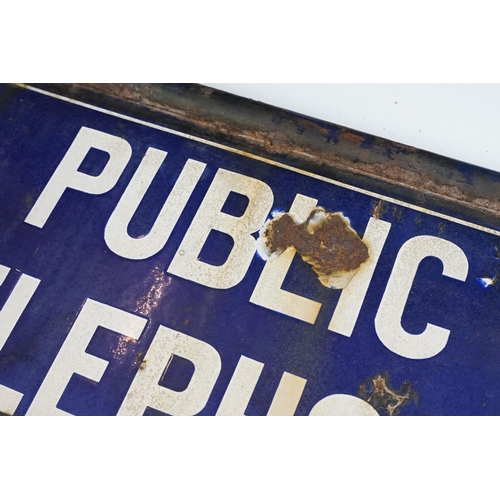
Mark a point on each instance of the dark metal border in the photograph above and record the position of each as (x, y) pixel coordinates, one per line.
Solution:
(409, 174)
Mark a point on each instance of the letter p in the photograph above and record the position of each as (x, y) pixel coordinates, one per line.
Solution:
(67, 175)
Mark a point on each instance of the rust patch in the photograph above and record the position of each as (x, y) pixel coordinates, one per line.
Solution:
(324, 240)
(377, 392)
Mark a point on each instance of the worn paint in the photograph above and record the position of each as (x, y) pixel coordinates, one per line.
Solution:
(379, 208)
(377, 392)
(324, 240)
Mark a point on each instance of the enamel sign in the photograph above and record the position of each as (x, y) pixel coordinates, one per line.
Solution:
(147, 271)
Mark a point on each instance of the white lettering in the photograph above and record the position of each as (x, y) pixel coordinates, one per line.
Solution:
(241, 387)
(287, 396)
(67, 175)
(209, 216)
(16, 303)
(72, 357)
(116, 234)
(351, 299)
(243, 382)
(145, 389)
(388, 320)
(9, 400)
(343, 405)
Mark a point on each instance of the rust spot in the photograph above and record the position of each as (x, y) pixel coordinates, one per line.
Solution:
(442, 227)
(325, 240)
(379, 207)
(28, 201)
(377, 392)
(350, 136)
(397, 214)
(139, 359)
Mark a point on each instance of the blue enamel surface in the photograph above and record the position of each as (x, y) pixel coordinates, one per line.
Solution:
(70, 257)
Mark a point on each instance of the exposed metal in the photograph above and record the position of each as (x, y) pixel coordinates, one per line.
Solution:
(324, 240)
(377, 391)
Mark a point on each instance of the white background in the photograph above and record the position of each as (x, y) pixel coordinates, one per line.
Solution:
(461, 121)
